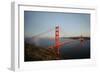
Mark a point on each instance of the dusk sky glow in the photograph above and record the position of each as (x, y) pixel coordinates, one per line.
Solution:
(71, 24)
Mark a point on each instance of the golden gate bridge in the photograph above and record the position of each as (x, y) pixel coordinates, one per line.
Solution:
(57, 42)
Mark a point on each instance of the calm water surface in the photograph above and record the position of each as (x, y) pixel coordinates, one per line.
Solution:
(76, 49)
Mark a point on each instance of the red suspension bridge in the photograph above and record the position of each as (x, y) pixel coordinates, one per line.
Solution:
(57, 43)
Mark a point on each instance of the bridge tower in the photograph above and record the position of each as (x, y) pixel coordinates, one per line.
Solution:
(57, 39)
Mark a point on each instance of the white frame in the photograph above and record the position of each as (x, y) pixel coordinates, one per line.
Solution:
(17, 54)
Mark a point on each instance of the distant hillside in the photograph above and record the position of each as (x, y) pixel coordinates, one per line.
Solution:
(75, 37)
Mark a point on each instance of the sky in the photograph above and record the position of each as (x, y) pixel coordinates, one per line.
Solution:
(70, 24)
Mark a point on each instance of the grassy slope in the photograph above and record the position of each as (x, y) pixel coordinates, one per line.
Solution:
(35, 53)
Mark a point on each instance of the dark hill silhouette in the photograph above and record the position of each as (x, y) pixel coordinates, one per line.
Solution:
(35, 53)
